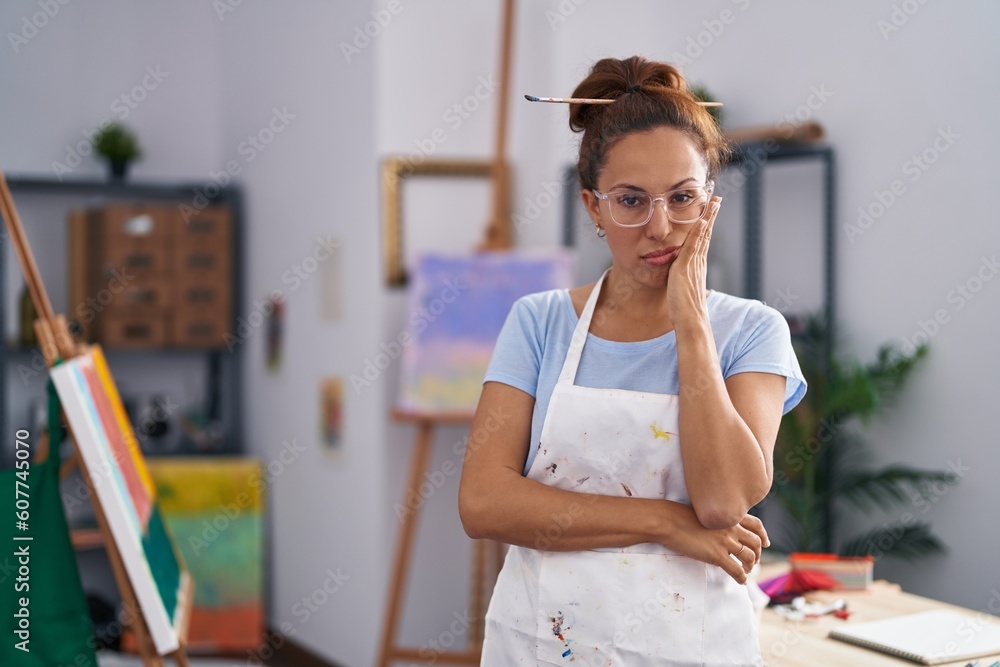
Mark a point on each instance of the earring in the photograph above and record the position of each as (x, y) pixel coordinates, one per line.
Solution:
(600, 232)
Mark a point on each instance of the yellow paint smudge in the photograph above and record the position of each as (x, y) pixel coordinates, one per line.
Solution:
(659, 432)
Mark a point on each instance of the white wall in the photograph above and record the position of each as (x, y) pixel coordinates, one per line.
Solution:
(319, 176)
(317, 179)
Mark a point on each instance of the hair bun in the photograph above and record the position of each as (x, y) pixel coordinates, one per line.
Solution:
(645, 95)
(610, 79)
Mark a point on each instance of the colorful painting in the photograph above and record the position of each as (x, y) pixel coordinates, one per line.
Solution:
(275, 333)
(331, 411)
(457, 306)
(107, 446)
(126, 454)
(214, 508)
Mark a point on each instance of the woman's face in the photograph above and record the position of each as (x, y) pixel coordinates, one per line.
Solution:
(654, 162)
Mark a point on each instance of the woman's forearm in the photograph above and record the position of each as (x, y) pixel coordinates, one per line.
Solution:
(517, 510)
(724, 466)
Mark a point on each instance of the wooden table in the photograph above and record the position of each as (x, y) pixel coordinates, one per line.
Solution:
(805, 644)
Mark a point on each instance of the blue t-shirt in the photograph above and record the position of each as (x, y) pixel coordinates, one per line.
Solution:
(532, 345)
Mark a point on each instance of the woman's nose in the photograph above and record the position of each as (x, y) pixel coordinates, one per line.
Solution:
(659, 225)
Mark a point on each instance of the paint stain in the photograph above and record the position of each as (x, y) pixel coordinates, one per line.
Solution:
(552, 468)
(659, 432)
(558, 630)
(583, 479)
(628, 491)
(679, 605)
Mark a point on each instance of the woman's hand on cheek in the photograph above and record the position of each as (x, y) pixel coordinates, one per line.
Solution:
(686, 277)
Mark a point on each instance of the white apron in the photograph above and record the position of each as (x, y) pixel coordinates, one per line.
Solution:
(638, 606)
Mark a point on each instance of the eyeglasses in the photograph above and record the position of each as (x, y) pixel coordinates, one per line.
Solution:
(631, 208)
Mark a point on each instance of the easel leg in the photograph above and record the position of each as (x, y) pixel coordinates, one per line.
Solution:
(477, 608)
(487, 559)
(418, 465)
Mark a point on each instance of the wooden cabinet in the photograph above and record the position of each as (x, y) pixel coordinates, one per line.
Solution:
(143, 276)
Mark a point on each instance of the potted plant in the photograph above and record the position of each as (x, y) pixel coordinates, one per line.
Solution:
(119, 145)
(702, 93)
(820, 467)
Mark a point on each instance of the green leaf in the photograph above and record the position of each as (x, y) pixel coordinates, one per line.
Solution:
(819, 453)
(116, 141)
(893, 485)
(905, 542)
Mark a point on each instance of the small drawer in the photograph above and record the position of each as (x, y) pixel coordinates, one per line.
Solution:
(201, 295)
(132, 330)
(133, 261)
(209, 229)
(201, 327)
(142, 296)
(202, 264)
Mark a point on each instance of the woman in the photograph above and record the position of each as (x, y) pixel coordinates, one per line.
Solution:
(637, 415)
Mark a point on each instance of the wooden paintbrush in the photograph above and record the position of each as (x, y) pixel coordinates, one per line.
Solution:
(587, 100)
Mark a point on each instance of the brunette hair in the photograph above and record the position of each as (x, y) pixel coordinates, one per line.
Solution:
(647, 95)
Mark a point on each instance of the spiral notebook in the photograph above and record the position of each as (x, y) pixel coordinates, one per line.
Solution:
(928, 638)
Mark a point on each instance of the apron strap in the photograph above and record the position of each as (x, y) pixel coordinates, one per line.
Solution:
(575, 352)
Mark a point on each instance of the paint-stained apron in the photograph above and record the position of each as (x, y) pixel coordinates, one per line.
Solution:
(636, 606)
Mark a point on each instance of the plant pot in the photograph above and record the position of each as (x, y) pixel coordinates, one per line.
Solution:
(119, 167)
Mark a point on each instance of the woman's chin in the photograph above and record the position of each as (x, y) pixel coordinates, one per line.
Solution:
(650, 276)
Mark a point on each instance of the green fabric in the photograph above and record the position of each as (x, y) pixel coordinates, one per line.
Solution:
(59, 621)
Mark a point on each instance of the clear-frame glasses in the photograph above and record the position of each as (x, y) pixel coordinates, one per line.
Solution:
(634, 208)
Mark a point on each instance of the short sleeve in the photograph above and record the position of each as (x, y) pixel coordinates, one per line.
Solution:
(517, 355)
(765, 346)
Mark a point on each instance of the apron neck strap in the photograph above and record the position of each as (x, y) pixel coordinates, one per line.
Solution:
(575, 352)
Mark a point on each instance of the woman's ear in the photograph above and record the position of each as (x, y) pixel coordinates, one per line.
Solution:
(592, 204)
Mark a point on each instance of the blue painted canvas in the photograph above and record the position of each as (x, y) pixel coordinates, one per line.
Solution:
(457, 305)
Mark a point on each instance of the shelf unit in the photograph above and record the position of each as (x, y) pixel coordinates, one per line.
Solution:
(754, 215)
(224, 386)
(753, 255)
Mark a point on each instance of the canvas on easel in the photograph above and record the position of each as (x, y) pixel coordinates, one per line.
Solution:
(150, 558)
(459, 303)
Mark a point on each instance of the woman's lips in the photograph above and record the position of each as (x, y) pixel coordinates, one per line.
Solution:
(661, 257)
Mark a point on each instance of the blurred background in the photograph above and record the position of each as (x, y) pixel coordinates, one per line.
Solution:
(283, 114)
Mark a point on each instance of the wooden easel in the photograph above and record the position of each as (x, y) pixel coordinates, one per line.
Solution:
(497, 236)
(483, 576)
(56, 342)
